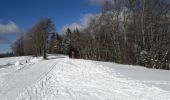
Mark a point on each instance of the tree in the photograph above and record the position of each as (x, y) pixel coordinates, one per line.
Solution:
(67, 41)
(45, 27)
(18, 47)
(38, 36)
(53, 45)
(128, 32)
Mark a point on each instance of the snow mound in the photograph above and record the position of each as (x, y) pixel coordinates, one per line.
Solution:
(13, 60)
(17, 63)
(34, 60)
(66, 59)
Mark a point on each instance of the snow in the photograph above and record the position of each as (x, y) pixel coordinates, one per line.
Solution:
(17, 63)
(61, 78)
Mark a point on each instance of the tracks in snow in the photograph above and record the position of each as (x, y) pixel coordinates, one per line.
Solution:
(19, 80)
(85, 80)
(46, 73)
(41, 82)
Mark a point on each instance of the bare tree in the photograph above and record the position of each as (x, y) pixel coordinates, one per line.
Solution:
(18, 47)
(38, 36)
(130, 32)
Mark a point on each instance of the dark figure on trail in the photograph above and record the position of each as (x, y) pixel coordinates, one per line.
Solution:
(72, 53)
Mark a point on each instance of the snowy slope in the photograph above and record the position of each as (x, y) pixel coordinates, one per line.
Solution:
(61, 78)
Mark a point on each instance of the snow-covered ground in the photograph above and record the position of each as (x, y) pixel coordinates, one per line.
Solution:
(61, 78)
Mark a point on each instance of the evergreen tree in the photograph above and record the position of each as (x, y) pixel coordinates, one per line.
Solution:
(53, 43)
(67, 41)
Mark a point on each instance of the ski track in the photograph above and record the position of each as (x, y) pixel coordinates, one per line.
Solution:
(18, 80)
(71, 79)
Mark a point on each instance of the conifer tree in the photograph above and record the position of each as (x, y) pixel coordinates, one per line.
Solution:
(53, 43)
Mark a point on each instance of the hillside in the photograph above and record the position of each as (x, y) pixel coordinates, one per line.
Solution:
(61, 78)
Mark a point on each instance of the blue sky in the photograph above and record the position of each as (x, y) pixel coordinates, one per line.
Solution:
(19, 15)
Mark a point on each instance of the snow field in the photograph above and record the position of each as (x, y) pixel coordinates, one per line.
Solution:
(86, 80)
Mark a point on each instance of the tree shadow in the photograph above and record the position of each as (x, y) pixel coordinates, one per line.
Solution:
(5, 66)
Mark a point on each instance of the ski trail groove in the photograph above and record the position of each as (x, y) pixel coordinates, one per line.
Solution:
(86, 80)
(46, 73)
(42, 84)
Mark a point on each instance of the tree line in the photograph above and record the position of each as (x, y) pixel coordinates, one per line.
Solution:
(126, 31)
(8, 54)
(35, 40)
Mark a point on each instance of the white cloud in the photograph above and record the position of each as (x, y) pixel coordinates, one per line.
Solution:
(85, 19)
(8, 33)
(71, 27)
(81, 24)
(9, 28)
